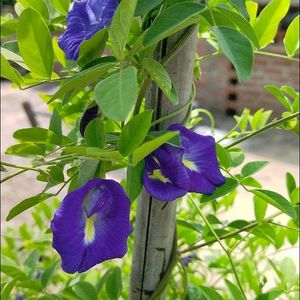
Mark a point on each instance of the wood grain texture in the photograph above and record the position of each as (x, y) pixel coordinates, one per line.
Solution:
(156, 220)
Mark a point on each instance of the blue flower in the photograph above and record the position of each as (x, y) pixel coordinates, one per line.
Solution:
(85, 19)
(171, 172)
(91, 225)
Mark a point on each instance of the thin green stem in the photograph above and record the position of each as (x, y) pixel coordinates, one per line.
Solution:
(233, 177)
(228, 133)
(276, 55)
(265, 128)
(13, 175)
(209, 56)
(19, 167)
(178, 111)
(220, 243)
(142, 94)
(285, 226)
(231, 234)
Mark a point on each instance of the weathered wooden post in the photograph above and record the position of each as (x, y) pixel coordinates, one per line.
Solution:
(155, 221)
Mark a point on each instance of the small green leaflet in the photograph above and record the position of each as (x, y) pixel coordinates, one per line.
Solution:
(267, 22)
(113, 283)
(10, 73)
(276, 200)
(134, 132)
(150, 146)
(35, 43)
(26, 204)
(291, 39)
(120, 27)
(238, 49)
(171, 20)
(143, 6)
(159, 74)
(117, 94)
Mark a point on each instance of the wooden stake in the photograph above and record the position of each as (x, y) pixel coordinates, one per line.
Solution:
(156, 220)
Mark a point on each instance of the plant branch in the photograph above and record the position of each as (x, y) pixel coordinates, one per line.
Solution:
(13, 175)
(231, 234)
(220, 243)
(265, 128)
(276, 55)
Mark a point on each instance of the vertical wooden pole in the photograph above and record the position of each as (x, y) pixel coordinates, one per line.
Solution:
(155, 221)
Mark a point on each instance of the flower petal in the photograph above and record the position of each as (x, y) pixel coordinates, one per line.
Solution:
(201, 160)
(165, 177)
(85, 19)
(91, 225)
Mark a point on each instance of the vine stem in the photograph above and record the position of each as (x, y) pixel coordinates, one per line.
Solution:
(269, 126)
(276, 55)
(13, 175)
(19, 167)
(231, 234)
(220, 243)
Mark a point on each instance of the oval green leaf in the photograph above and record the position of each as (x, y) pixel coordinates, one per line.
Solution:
(117, 94)
(35, 43)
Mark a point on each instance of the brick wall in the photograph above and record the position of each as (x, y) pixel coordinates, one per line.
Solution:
(218, 88)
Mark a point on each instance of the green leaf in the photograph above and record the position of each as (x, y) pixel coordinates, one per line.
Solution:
(35, 43)
(31, 260)
(260, 208)
(253, 167)
(237, 49)
(159, 74)
(10, 53)
(143, 6)
(190, 225)
(120, 27)
(210, 293)
(94, 134)
(241, 5)
(134, 183)
(87, 170)
(56, 124)
(171, 20)
(223, 156)
(290, 183)
(291, 39)
(252, 8)
(276, 200)
(150, 146)
(25, 150)
(47, 274)
(82, 79)
(13, 272)
(31, 284)
(113, 283)
(26, 204)
(117, 94)
(6, 289)
(85, 291)
(235, 291)
(279, 96)
(134, 132)
(10, 73)
(62, 6)
(292, 235)
(267, 22)
(92, 48)
(230, 185)
(227, 18)
(37, 135)
(271, 295)
(38, 5)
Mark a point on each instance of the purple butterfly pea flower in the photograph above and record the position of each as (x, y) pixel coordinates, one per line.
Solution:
(85, 19)
(91, 225)
(165, 177)
(171, 172)
(200, 160)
